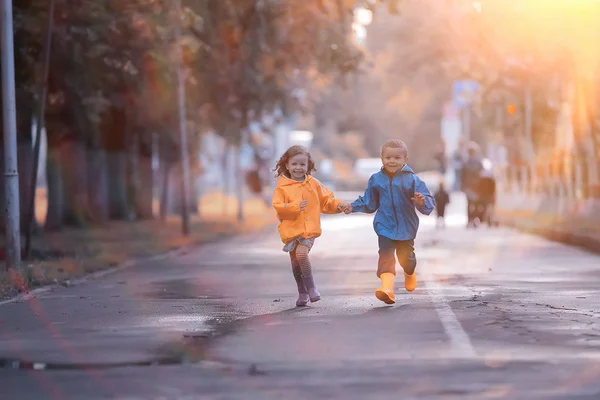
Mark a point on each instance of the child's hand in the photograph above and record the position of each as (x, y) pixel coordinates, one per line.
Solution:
(345, 207)
(303, 205)
(418, 200)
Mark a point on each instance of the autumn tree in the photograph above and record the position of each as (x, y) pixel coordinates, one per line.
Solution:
(112, 97)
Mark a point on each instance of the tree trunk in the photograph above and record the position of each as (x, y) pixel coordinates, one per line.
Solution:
(117, 173)
(114, 140)
(144, 194)
(240, 184)
(54, 181)
(25, 169)
(174, 191)
(141, 177)
(133, 170)
(164, 191)
(97, 174)
(225, 174)
(74, 160)
(194, 195)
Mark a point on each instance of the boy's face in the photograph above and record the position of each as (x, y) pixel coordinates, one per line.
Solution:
(297, 166)
(393, 159)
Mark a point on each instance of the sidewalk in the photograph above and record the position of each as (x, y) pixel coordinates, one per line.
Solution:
(61, 257)
(574, 223)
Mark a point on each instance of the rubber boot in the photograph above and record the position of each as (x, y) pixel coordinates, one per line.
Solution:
(313, 293)
(410, 281)
(386, 292)
(303, 297)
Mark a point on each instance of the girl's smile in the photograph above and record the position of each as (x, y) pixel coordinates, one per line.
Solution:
(297, 166)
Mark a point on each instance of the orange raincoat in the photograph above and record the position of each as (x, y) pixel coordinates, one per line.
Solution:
(286, 201)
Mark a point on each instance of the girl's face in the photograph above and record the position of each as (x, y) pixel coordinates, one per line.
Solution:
(297, 166)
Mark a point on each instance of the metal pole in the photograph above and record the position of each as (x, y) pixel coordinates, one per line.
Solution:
(529, 136)
(225, 171)
(240, 177)
(11, 174)
(38, 134)
(528, 120)
(185, 215)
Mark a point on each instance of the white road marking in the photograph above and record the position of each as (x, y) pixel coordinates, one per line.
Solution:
(459, 338)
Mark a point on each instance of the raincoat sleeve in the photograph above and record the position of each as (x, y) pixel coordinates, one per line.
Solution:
(369, 202)
(285, 210)
(329, 203)
(421, 187)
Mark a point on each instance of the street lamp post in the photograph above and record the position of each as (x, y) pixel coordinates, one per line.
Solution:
(11, 175)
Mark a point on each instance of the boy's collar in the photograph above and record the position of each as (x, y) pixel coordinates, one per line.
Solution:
(405, 168)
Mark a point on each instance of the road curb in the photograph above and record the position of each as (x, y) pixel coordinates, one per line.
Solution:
(98, 274)
(588, 242)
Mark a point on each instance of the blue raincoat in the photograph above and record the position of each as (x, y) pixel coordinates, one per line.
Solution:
(390, 196)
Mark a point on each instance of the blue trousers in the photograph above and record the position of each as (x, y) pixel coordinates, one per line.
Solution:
(389, 249)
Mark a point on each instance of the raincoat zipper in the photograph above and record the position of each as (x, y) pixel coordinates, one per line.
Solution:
(394, 206)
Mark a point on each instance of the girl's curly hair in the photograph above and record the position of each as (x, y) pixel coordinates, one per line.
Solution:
(281, 166)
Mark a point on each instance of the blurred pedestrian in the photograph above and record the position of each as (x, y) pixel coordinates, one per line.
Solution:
(471, 175)
(440, 157)
(299, 200)
(394, 193)
(487, 194)
(442, 199)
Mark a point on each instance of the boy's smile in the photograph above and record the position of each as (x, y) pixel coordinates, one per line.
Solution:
(393, 159)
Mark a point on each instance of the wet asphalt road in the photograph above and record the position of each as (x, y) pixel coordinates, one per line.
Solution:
(497, 315)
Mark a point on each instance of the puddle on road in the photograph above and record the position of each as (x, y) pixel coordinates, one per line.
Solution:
(191, 348)
(180, 289)
(195, 333)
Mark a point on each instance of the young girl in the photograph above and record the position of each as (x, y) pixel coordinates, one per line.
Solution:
(299, 200)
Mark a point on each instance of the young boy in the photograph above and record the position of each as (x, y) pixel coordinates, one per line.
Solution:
(395, 192)
(442, 199)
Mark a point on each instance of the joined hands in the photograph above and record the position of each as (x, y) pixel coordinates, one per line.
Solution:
(345, 207)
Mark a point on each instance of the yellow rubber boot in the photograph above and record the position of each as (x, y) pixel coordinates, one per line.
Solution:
(386, 292)
(410, 281)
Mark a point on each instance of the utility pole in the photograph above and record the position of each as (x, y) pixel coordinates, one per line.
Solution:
(528, 120)
(9, 113)
(38, 134)
(185, 211)
(240, 176)
(530, 169)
